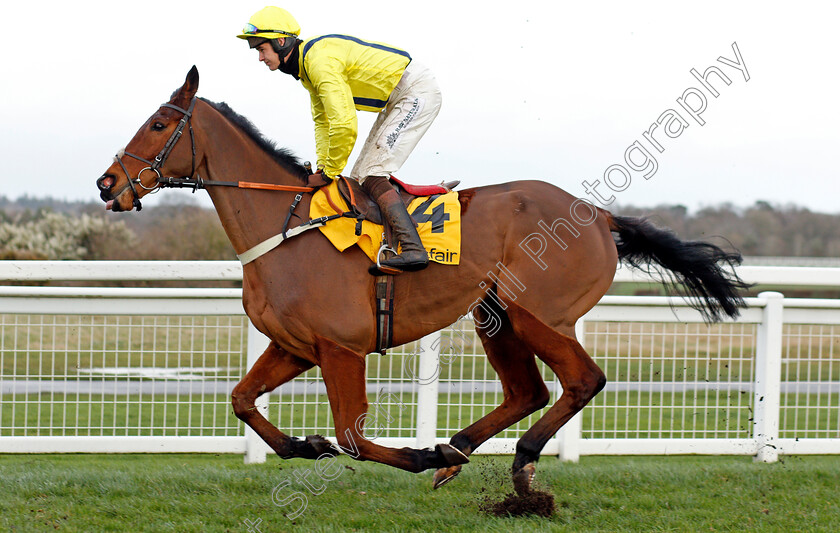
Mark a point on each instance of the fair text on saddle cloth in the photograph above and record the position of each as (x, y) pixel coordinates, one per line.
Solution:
(438, 220)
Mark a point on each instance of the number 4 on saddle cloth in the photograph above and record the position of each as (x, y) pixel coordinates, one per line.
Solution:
(438, 219)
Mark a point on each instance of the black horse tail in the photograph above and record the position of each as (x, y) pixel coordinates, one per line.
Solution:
(699, 267)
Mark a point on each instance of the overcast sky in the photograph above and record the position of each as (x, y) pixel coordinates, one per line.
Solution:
(546, 90)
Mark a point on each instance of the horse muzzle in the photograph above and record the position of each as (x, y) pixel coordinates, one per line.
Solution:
(105, 184)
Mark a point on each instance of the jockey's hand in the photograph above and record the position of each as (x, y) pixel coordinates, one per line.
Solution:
(318, 179)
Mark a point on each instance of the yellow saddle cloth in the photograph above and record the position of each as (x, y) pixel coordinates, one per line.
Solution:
(438, 220)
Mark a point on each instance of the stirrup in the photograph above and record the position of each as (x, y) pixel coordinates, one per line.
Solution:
(381, 269)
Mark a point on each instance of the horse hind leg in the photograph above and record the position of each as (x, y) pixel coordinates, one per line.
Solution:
(578, 374)
(522, 385)
(273, 368)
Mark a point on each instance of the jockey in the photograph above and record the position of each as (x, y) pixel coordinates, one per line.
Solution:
(343, 74)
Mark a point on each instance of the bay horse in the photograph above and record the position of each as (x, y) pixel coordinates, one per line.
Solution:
(316, 304)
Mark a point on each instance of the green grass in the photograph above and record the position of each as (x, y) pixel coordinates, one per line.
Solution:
(187, 493)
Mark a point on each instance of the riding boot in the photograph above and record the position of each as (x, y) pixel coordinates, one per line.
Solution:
(413, 255)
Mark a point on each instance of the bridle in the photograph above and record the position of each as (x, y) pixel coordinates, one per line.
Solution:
(192, 181)
(160, 159)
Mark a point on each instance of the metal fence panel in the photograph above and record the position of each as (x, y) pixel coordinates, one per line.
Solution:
(108, 369)
(95, 375)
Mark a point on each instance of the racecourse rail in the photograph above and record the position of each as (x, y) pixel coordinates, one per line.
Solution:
(135, 370)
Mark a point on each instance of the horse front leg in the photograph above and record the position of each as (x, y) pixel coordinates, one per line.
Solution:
(344, 376)
(273, 368)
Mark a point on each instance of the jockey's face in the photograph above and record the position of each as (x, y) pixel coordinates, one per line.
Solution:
(269, 56)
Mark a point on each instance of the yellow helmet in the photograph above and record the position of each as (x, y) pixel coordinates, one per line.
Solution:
(271, 23)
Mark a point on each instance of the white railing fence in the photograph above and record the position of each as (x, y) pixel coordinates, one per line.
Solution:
(109, 369)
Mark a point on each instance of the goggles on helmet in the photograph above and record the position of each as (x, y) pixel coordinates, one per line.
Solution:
(250, 29)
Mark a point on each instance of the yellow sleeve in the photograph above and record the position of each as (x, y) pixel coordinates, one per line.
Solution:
(334, 113)
(322, 136)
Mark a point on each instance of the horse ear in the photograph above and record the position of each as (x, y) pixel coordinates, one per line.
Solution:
(189, 88)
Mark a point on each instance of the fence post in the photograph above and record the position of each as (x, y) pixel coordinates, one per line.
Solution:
(768, 377)
(428, 374)
(255, 448)
(569, 435)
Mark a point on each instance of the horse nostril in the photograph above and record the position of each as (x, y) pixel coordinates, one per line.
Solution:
(105, 182)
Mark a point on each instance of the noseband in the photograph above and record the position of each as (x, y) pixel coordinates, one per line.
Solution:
(160, 159)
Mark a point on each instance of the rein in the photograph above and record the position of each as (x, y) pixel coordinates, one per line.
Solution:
(199, 183)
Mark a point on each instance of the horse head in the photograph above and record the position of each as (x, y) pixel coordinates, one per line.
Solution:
(153, 152)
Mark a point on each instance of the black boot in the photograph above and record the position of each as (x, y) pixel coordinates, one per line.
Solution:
(413, 255)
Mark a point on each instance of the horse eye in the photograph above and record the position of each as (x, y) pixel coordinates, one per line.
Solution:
(157, 126)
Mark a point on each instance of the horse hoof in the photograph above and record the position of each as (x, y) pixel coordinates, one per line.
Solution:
(313, 447)
(445, 475)
(321, 446)
(451, 455)
(523, 478)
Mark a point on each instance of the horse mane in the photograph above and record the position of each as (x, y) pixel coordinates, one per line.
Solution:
(283, 156)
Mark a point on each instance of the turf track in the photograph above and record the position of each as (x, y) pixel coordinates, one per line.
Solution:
(187, 493)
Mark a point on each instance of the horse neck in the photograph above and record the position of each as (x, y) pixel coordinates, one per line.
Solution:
(248, 216)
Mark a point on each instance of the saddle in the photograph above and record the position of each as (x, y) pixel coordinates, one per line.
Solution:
(355, 195)
(445, 248)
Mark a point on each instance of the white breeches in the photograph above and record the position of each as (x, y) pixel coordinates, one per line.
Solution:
(412, 107)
